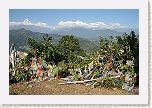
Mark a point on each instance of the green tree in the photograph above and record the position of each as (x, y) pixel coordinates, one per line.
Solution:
(130, 45)
(43, 49)
(134, 47)
(68, 48)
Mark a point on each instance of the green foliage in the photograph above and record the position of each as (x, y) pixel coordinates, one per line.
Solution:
(43, 49)
(68, 48)
(129, 44)
(76, 76)
(20, 73)
(63, 65)
(108, 82)
(122, 80)
(67, 54)
(56, 71)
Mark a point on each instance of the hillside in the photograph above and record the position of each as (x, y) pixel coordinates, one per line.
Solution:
(19, 37)
(89, 33)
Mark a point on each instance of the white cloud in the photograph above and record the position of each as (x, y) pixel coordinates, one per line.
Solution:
(71, 24)
(80, 24)
(41, 24)
(67, 24)
(116, 25)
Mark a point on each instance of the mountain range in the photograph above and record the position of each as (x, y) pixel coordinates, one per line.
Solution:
(20, 36)
(79, 29)
(88, 37)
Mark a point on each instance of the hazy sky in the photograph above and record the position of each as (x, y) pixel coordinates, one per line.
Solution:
(52, 17)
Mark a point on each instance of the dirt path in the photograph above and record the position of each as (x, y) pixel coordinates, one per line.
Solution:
(53, 88)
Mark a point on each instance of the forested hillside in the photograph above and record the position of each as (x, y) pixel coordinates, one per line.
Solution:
(19, 37)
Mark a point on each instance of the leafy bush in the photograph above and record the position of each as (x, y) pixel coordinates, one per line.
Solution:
(108, 82)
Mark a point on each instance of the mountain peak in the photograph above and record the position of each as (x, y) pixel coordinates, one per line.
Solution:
(26, 21)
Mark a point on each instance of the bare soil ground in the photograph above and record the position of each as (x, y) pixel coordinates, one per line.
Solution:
(53, 88)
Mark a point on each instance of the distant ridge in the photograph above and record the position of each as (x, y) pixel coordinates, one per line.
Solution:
(19, 37)
(75, 28)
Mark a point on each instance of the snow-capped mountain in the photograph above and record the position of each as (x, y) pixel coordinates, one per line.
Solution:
(77, 28)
